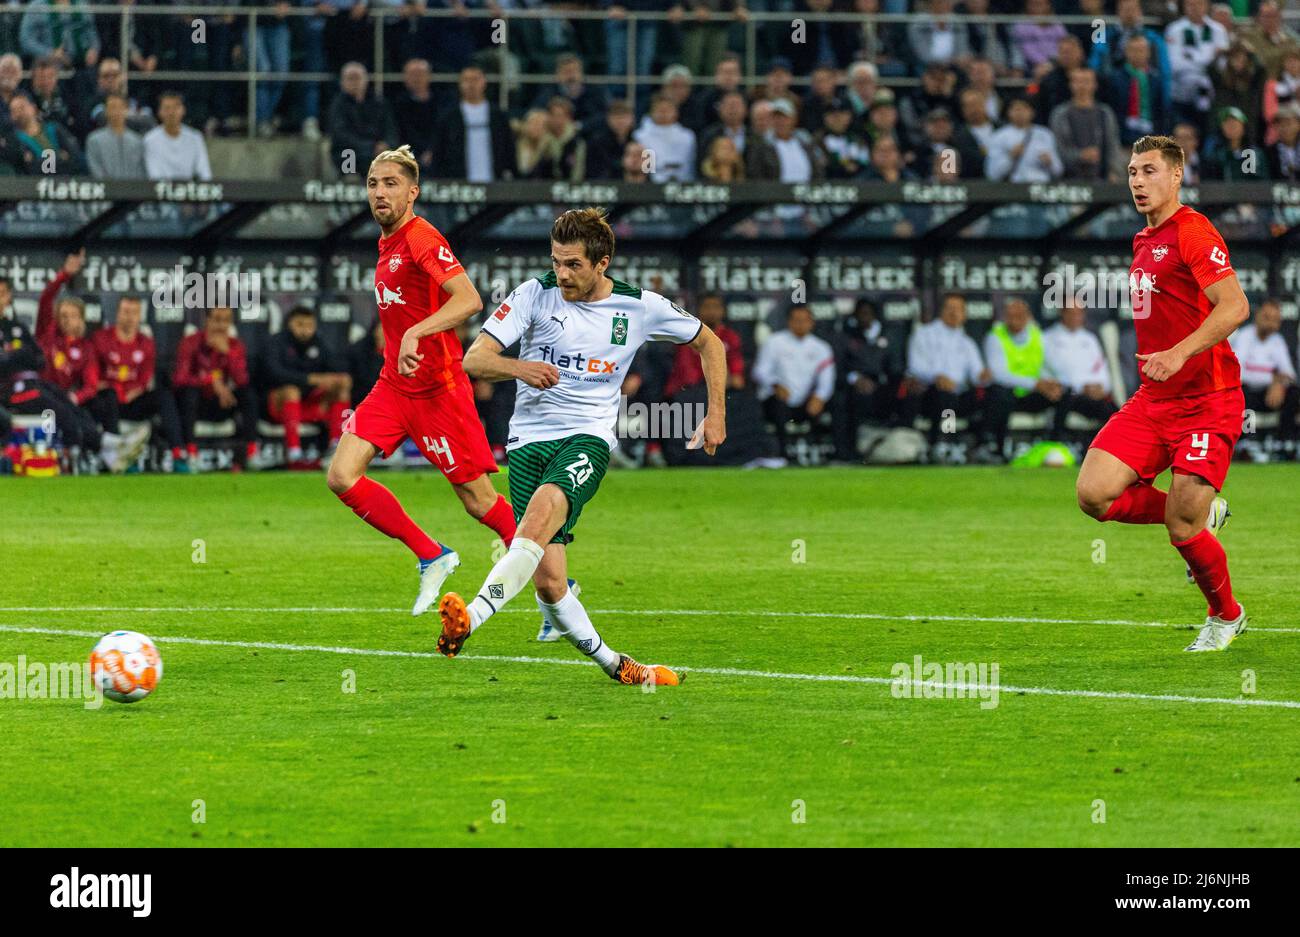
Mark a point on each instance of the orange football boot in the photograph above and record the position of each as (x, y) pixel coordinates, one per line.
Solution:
(630, 672)
(455, 624)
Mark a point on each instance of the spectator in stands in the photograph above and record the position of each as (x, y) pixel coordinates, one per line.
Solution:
(348, 33)
(635, 163)
(50, 104)
(690, 105)
(985, 40)
(1013, 350)
(761, 161)
(11, 76)
(1036, 38)
(794, 373)
(110, 80)
(532, 147)
(304, 381)
(40, 148)
(1194, 42)
(776, 84)
(686, 370)
(1136, 93)
(173, 150)
(727, 78)
(672, 145)
(1284, 155)
(1189, 139)
(821, 95)
(861, 90)
(361, 126)
(126, 358)
(1268, 375)
(820, 42)
(981, 77)
(882, 118)
(1271, 38)
(1239, 83)
(1281, 91)
(1073, 357)
(722, 163)
(887, 162)
(1023, 151)
(1054, 87)
(1087, 133)
(801, 160)
(115, 151)
(415, 111)
(606, 143)
(870, 368)
(705, 30)
(59, 30)
(1110, 55)
(568, 150)
(936, 38)
(647, 34)
(942, 152)
(570, 82)
(844, 150)
(1229, 155)
(944, 370)
(412, 36)
(310, 37)
(211, 383)
(473, 137)
(883, 46)
(938, 89)
(977, 129)
(366, 360)
(269, 48)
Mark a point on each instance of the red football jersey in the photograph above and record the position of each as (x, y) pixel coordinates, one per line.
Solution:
(1173, 263)
(414, 262)
(125, 366)
(70, 365)
(198, 364)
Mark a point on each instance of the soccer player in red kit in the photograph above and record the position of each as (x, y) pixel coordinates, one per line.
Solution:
(1187, 412)
(423, 294)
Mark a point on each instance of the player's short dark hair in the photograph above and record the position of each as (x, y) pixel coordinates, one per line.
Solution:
(300, 310)
(712, 294)
(796, 307)
(1167, 147)
(951, 294)
(171, 93)
(588, 227)
(130, 298)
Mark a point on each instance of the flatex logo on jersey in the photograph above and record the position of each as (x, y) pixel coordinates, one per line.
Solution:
(588, 369)
(83, 890)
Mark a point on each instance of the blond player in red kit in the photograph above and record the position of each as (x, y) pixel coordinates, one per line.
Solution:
(423, 294)
(1187, 412)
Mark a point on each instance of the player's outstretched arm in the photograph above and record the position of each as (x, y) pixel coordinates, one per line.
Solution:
(464, 302)
(1231, 309)
(485, 362)
(713, 361)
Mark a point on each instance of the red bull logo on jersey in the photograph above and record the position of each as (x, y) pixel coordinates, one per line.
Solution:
(578, 363)
(384, 297)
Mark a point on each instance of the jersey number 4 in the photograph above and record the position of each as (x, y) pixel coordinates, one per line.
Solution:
(1201, 443)
(440, 448)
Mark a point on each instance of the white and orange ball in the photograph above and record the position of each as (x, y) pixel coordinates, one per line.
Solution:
(126, 666)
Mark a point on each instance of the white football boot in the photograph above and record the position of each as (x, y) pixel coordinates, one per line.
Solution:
(1218, 633)
(548, 632)
(1219, 515)
(432, 576)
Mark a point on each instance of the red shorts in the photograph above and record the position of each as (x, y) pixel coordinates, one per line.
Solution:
(446, 428)
(1195, 435)
(313, 410)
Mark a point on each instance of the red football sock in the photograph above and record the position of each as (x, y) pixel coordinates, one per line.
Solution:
(377, 506)
(1209, 564)
(1139, 504)
(501, 519)
(192, 449)
(250, 449)
(291, 418)
(335, 419)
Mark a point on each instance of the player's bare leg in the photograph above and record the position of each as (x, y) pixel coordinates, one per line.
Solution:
(378, 507)
(1110, 490)
(1190, 500)
(560, 602)
(483, 503)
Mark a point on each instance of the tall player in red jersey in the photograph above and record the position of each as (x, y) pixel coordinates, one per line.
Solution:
(423, 293)
(1187, 412)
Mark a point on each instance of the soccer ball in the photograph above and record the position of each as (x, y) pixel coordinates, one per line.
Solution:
(126, 666)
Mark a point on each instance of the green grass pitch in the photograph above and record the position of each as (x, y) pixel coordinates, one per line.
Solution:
(761, 581)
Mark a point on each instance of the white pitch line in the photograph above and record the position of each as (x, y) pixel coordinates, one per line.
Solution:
(759, 613)
(717, 671)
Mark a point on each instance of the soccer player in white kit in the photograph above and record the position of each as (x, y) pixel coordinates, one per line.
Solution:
(579, 330)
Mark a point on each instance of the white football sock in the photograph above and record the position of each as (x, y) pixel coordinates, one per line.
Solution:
(572, 621)
(508, 577)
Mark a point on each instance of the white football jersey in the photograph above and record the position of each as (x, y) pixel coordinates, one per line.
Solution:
(592, 346)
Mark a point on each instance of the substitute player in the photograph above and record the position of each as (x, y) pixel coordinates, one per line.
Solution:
(579, 331)
(422, 293)
(1187, 412)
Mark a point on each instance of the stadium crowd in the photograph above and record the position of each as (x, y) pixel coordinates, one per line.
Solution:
(935, 98)
(793, 383)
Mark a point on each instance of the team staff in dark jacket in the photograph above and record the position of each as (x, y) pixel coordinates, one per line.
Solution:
(474, 141)
(869, 368)
(304, 380)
